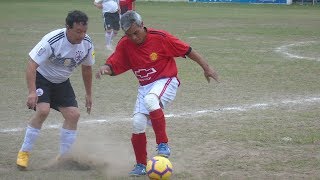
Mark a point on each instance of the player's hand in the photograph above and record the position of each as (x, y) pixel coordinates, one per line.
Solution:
(32, 100)
(103, 70)
(88, 103)
(211, 73)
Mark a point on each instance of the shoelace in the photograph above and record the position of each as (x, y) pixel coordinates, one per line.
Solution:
(161, 147)
(23, 156)
(139, 167)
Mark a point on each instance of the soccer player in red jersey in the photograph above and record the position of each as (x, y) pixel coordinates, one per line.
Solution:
(126, 5)
(150, 54)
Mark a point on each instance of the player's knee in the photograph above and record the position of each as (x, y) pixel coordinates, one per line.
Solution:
(139, 123)
(151, 102)
(43, 111)
(72, 115)
(75, 115)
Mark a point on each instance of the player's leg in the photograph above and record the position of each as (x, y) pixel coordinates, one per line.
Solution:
(115, 24)
(65, 102)
(35, 124)
(162, 93)
(68, 131)
(32, 133)
(108, 30)
(114, 34)
(139, 139)
(139, 144)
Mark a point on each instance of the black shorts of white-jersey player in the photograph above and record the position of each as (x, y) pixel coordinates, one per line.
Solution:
(56, 94)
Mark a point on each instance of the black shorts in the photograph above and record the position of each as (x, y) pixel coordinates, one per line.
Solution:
(56, 94)
(112, 21)
(124, 9)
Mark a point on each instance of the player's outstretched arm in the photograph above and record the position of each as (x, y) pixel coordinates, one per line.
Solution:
(209, 72)
(105, 69)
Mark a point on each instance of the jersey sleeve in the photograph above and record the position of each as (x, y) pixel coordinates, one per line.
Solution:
(90, 59)
(175, 47)
(41, 52)
(119, 60)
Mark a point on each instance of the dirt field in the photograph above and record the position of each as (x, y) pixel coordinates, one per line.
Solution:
(260, 122)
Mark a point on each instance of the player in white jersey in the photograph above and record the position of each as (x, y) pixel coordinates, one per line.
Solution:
(51, 63)
(111, 14)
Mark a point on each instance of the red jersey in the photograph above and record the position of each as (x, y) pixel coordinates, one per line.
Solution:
(125, 5)
(151, 60)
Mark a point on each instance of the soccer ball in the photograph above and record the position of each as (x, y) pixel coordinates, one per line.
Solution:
(158, 168)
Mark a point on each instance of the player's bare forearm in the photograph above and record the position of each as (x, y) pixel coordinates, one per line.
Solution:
(209, 72)
(31, 75)
(31, 83)
(87, 79)
(195, 56)
(103, 70)
(98, 5)
(133, 5)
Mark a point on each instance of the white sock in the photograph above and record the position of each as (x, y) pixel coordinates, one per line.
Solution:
(67, 138)
(108, 36)
(30, 138)
(114, 34)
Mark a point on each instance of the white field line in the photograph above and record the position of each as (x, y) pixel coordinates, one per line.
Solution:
(285, 50)
(231, 109)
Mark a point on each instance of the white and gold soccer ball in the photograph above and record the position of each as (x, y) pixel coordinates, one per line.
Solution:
(159, 168)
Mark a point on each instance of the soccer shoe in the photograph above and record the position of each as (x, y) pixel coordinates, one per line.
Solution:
(23, 160)
(163, 150)
(138, 170)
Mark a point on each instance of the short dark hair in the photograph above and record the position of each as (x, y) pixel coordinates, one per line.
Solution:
(76, 16)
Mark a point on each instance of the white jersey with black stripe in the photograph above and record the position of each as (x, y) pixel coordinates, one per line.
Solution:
(57, 57)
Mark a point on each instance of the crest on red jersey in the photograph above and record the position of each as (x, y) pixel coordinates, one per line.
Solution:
(153, 56)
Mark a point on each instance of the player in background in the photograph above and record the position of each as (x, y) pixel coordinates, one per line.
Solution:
(126, 5)
(150, 54)
(51, 63)
(111, 15)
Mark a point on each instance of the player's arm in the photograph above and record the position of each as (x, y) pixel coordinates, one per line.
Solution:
(104, 70)
(117, 63)
(97, 3)
(31, 83)
(87, 80)
(133, 5)
(119, 9)
(209, 72)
